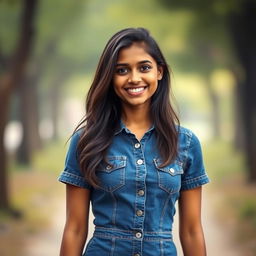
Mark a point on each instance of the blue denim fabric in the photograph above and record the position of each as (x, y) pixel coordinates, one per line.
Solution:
(135, 204)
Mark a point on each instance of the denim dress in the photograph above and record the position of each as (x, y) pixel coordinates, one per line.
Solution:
(134, 207)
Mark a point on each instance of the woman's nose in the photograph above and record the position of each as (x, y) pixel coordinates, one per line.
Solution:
(134, 77)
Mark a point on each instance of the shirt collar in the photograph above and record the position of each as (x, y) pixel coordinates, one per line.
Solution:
(122, 127)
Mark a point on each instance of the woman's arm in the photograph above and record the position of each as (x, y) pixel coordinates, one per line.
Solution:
(76, 227)
(191, 231)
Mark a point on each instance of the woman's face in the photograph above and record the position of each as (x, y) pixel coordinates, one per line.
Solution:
(136, 76)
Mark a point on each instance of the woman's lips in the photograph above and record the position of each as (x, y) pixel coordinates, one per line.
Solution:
(134, 91)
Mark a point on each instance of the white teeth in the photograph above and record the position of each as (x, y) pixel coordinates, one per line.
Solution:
(136, 89)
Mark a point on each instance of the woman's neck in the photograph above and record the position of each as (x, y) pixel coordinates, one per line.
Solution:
(137, 120)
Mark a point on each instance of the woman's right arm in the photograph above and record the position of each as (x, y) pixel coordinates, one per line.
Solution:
(77, 215)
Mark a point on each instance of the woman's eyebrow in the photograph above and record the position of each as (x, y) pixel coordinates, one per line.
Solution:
(140, 62)
(144, 61)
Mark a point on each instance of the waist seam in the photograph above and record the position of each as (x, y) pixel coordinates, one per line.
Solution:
(131, 234)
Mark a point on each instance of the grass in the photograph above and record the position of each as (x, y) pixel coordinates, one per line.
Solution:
(248, 211)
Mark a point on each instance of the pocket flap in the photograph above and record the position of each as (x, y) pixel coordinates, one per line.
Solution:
(114, 163)
(174, 168)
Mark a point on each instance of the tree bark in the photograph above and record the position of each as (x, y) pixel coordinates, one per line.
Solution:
(4, 195)
(55, 98)
(242, 26)
(239, 136)
(215, 108)
(9, 81)
(29, 117)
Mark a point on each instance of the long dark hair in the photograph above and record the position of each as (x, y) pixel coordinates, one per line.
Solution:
(103, 107)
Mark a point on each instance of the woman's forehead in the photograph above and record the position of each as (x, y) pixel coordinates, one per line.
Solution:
(135, 53)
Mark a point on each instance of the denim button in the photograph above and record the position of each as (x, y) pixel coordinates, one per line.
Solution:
(138, 235)
(171, 170)
(141, 192)
(139, 161)
(139, 212)
(136, 254)
(108, 167)
(137, 145)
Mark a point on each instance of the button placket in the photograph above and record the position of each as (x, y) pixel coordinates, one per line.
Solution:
(139, 207)
(138, 235)
(139, 213)
(141, 192)
(139, 161)
(137, 145)
(108, 167)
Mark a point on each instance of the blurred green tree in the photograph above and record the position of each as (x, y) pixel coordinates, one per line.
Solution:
(52, 29)
(239, 19)
(12, 71)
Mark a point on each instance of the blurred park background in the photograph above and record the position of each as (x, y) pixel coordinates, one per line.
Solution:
(48, 54)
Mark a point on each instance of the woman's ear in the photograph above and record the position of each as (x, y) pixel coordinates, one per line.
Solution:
(159, 72)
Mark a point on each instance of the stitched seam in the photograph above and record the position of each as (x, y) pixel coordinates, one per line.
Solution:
(188, 144)
(132, 237)
(161, 248)
(113, 246)
(184, 182)
(114, 209)
(163, 212)
(68, 174)
(132, 231)
(122, 182)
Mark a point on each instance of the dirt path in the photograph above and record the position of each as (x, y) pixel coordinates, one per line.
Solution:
(47, 243)
(218, 238)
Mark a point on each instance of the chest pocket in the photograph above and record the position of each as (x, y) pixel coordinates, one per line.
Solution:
(112, 175)
(169, 177)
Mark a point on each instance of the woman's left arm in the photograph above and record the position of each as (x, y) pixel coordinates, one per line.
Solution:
(190, 227)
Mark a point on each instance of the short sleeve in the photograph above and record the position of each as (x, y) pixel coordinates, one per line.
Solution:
(71, 173)
(194, 172)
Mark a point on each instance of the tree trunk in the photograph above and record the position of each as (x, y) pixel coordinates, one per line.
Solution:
(4, 198)
(29, 116)
(242, 26)
(8, 82)
(28, 112)
(215, 109)
(55, 104)
(55, 98)
(239, 136)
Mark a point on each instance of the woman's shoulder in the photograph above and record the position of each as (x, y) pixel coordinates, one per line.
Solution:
(184, 131)
(75, 136)
(186, 135)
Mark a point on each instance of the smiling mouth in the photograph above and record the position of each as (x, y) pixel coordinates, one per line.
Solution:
(136, 90)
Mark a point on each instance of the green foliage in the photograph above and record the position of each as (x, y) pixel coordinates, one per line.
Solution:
(222, 161)
(9, 26)
(51, 158)
(211, 6)
(248, 210)
(208, 38)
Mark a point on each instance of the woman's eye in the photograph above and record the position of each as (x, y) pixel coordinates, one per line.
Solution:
(145, 68)
(121, 71)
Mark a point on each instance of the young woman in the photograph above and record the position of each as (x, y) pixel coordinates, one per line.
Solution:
(132, 160)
